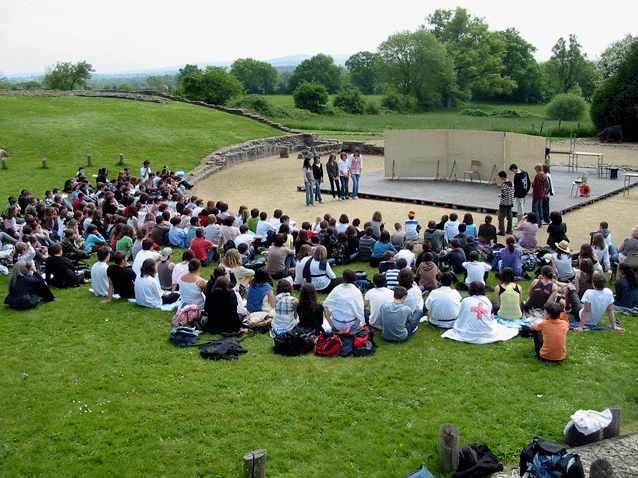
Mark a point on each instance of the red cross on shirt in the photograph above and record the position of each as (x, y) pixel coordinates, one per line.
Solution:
(480, 310)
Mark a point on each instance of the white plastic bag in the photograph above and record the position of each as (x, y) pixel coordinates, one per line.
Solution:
(589, 421)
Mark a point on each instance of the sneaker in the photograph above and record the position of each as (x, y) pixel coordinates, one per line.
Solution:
(355, 197)
(415, 329)
(347, 197)
(320, 202)
(423, 319)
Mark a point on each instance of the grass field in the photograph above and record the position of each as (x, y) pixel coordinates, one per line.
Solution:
(98, 390)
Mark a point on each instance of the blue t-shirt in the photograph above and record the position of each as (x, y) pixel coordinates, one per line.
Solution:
(256, 294)
(380, 248)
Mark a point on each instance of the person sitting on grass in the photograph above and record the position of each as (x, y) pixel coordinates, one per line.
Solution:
(204, 249)
(626, 298)
(487, 232)
(380, 247)
(397, 321)
(557, 230)
(529, 227)
(589, 311)
(148, 292)
(455, 258)
(398, 236)
(260, 296)
(121, 278)
(475, 270)
(26, 287)
(550, 335)
(443, 304)
(285, 305)
(508, 296)
(308, 311)
(414, 300)
(389, 262)
(221, 308)
(408, 254)
(511, 256)
(428, 274)
(345, 303)
(469, 246)
(60, 271)
(542, 290)
(366, 245)
(99, 277)
(375, 298)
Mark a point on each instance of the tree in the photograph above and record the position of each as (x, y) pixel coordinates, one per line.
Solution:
(310, 96)
(616, 101)
(163, 84)
(417, 64)
(214, 86)
(66, 76)
(613, 56)
(566, 106)
(362, 68)
(477, 52)
(350, 101)
(258, 77)
(318, 69)
(184, 72)
(568, 69)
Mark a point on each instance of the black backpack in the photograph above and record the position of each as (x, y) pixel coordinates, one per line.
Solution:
(297, 341)
(225, 348)
(541, 457)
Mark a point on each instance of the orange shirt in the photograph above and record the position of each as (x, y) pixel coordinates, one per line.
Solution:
(554, 338)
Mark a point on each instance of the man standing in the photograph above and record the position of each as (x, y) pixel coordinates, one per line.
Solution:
(522, 186)
(539, 192)
(505, 205)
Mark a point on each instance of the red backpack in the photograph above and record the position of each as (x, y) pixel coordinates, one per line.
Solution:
(328, 346)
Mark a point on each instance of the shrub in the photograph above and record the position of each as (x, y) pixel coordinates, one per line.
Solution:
(258, 105)
(310, 96)
(566, 106)
(394, 101)
(473, 112)
(372, 108)
(350, 101)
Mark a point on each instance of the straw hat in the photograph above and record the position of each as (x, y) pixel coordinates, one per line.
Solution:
(564, 246)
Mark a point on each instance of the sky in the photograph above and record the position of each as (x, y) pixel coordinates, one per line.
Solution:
(120, 36)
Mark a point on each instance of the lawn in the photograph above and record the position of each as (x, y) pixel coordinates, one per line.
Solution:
(98, 390)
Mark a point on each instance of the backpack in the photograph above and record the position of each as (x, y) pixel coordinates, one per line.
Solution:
(297, 341)
(258, 321)
(186, 315)
(542, 459)
(328, 346)
(529, 262)
(184, 336)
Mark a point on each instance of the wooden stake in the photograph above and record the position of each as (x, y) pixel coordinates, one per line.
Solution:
(449, 448)
(255, 464)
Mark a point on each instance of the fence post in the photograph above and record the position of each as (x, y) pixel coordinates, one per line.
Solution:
(121, 159)
(90, 160)
(45, 163)
(4, 163)
(449, 448)
(255, 464)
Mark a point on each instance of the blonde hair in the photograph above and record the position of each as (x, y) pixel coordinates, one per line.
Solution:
(321, 253)
(232, 258)
(634, 232)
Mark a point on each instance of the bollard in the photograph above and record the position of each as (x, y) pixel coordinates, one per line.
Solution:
(90, 160)
(255, 464)
(121, 159)
(45, 163)
(613, 430)
(449, 448)
(4, 163)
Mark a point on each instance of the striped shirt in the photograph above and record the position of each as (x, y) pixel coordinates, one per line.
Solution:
(507, 194)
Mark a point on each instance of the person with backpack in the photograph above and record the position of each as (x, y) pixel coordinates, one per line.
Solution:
(522, 185)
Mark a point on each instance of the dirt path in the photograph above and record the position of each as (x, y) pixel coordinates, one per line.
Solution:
(271, 183)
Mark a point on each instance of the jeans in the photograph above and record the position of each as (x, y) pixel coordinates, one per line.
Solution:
(335, 189)
(344, 186)
(318, 190)
(545, 211)
(537, 208)
(213, 256)
(309, 194)
(504, 212)
(355, 185)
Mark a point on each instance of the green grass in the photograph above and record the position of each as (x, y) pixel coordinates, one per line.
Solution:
(65, 130)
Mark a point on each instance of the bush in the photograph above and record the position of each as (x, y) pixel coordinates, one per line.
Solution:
(394, 101)
(350, 101)
(258, 105)
(473, 112)
(372, 108)
(566, 106)
(310, 96)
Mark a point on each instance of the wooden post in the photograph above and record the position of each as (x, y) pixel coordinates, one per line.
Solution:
(449, 448)
(255, 464)
(121, 159)
(613, 430)
(45, 163)
(4, 163)
(283, 152)
(90, 160)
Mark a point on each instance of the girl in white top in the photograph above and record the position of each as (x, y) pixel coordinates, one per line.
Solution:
(601, 249)
(285, 305)
(562, 262)
(192, 286)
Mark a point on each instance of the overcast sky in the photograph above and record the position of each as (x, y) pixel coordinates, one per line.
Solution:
(118, 36)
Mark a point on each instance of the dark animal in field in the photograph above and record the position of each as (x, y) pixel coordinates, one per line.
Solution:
(611, 133)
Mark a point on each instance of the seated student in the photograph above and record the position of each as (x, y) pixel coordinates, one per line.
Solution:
(93, 237)
(408, 254)
(303, 256)
(148, 292)
(398, 236)
(345, 303)
(455, 258)
(487, 232)
(318, 271)
(69, 248)
(60, 271)
(375, 298)
(191, 229)
(145, 253)
(382, 245)
(529, 227)
(221, 308)
(443, 304)
(435, 236)
(243, 275)
(451, 227)
(476, 323)
(388, 262)
(414, 300)
(340, 251)
(161, 229)
(121, 278)
(461, 235)
(280, 258)
(542, 290)
(469, 246)
(562, 262)
(285, 305)
(595, 302)
(428, 275)
(557, 230)
(366, 245)
(176, 235)
(181, 268)
(99, 277)
(26, 287)
(260, 296)
(509, 296)
(192, 286)
(475, 270)
(626, 298)
(392, 275)
(165, 269)
(308, 311)
(397, 322)
(204, 249)
(511, 256)
(550, 335)
(412, 227)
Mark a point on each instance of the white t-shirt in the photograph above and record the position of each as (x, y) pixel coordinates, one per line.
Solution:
(141, 257)
(99, 279)
(346, 304)
(475, 271)
(599, 301)
(148, 292)
(407, 255)
(377, 297)
(443, 306)
(414, 300)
